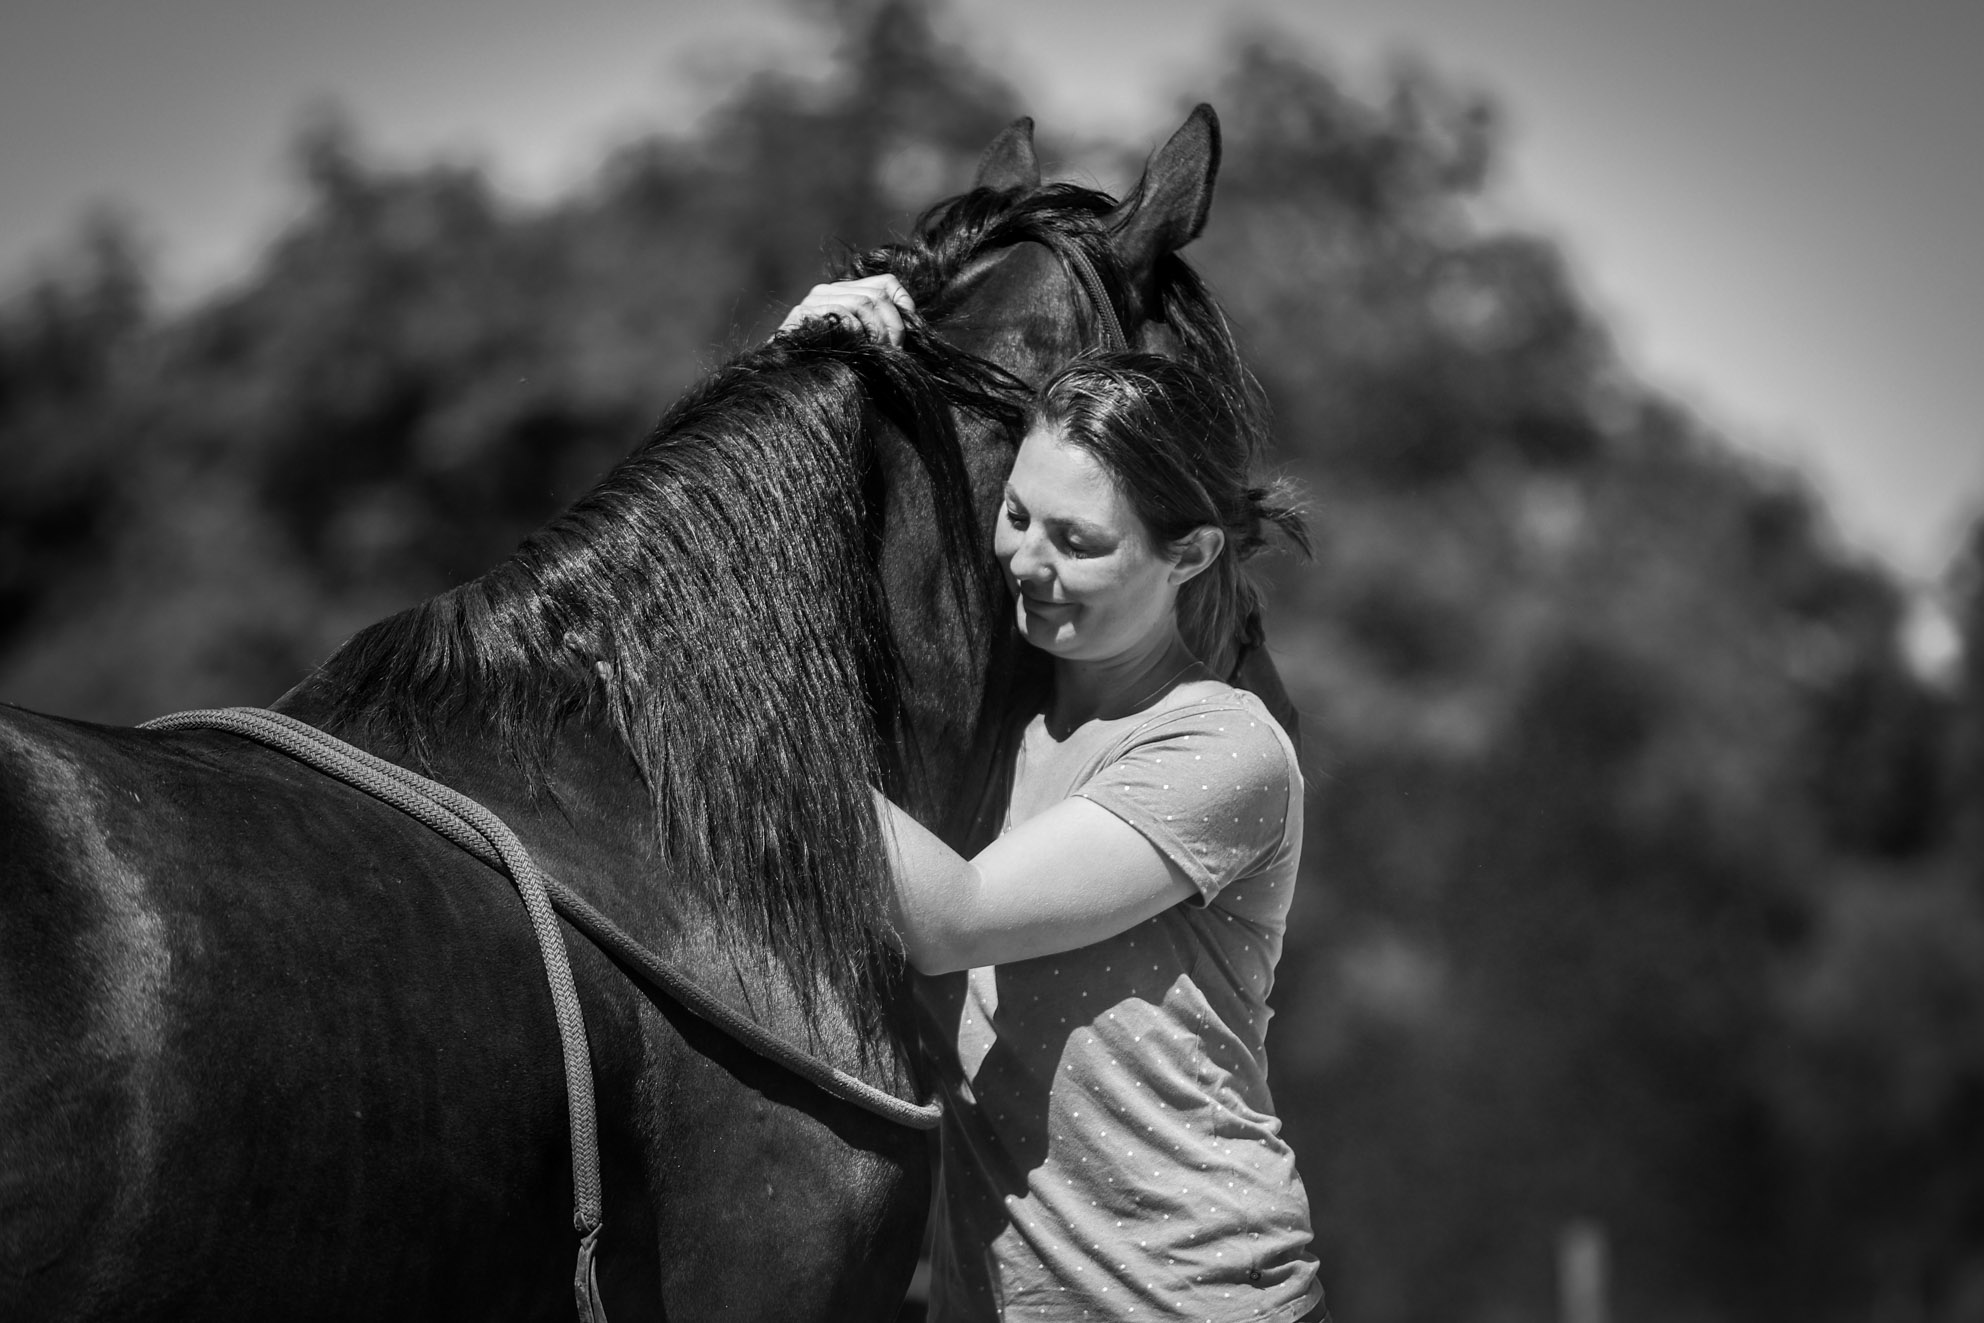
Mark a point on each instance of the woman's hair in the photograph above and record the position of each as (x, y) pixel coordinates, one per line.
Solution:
(1177, 444)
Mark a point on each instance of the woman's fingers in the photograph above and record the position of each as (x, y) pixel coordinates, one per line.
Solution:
(871, 309)
(890, 288)
(876, 304)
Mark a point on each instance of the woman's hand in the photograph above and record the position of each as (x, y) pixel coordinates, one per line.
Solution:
(875, 303)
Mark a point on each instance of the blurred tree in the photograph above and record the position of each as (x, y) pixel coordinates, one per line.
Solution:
(66, 343)
(1879, 1081)
(1966, 584)
(899, 122)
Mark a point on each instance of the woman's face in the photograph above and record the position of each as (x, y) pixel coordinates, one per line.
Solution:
(1091, 586)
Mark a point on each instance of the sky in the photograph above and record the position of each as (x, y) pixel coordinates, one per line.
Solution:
(1777, 205)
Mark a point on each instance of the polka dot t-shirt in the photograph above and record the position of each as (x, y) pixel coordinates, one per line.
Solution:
(1110, 1146)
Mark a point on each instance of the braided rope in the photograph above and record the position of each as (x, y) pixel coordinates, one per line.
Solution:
(480, 832)
(849, 1088)
(599, 929)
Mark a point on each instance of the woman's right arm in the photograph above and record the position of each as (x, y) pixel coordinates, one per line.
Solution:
(1073, 875)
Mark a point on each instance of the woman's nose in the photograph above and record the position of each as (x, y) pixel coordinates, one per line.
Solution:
(1029, 560)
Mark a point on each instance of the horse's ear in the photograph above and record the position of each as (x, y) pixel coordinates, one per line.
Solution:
(1168, 208)
(1009, 162)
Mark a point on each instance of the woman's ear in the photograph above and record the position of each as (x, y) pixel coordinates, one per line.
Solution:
(1196, 550)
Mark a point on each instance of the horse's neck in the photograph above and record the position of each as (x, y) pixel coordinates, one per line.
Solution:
(590, 824)
(588, 814)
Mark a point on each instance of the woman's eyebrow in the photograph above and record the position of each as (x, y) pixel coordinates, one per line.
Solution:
(1079, 527)
(1062, 523)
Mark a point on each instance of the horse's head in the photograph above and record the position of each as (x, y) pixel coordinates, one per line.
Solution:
(1024, 276)
(1027, 275)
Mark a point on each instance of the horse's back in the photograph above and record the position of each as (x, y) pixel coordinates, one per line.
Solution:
(256, 1028)
(82, 967)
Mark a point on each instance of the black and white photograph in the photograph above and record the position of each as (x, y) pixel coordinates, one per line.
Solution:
(992, 661)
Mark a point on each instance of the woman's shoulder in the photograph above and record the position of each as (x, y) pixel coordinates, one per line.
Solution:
(1211, 779)
(1213, 707)
(1196, 720)
(1210, 719)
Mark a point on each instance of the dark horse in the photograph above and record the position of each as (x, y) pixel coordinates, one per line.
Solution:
(269, 1047)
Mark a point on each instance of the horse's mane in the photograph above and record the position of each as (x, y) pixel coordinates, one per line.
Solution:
(714, 601)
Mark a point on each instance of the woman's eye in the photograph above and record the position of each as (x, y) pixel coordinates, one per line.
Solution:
(1016, 518)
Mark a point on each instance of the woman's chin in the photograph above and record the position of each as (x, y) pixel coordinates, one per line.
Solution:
(1045, 637)
(1044, 630)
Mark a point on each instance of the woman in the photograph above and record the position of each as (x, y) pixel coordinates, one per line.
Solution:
(1100, 971)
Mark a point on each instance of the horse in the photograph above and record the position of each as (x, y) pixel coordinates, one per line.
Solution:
(270, 1045)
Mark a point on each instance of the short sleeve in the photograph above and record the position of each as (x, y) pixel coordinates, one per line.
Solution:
(1209, 785)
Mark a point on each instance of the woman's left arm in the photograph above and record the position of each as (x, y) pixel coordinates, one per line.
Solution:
(1068, 877)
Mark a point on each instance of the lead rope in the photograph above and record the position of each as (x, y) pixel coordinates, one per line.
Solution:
(469, 825)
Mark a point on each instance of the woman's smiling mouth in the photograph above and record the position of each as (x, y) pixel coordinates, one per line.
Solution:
(1041, 605)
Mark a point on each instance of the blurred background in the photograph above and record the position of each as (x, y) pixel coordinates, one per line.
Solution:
(1631, 362)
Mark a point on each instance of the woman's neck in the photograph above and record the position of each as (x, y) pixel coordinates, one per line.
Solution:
(1100, 690)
